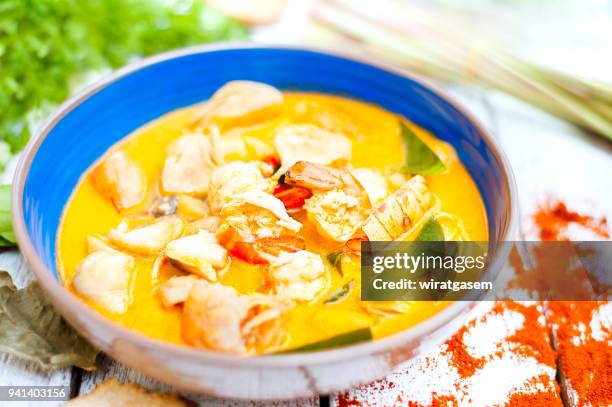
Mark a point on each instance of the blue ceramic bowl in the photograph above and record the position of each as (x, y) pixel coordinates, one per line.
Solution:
(87, 125)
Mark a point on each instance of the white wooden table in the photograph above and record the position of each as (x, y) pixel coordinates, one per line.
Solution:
(549, 158)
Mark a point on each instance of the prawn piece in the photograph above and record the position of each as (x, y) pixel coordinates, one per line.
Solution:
(307, 142)
(239, 104)
(256, 225)
(217, 317)
(236, 178)
(400, 211)
(119, 178)
(104, 278)
(303, 179)
(315, 177)
(176, 289)
(299, 276)
(189, 165)
(147, 240)
(292, 197)
(373, 183)
(200, 254)
(336, 214)
(337, 207)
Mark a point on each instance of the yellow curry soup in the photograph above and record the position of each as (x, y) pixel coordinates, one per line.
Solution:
(232, 225)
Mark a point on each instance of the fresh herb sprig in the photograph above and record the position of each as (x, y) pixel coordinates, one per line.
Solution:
(46, 44)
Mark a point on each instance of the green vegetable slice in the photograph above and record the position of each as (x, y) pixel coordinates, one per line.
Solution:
(30, 328)
(348, 338)
(341, 293)
(335, 259)
(420, 159)
(431, 232)
(7, 237)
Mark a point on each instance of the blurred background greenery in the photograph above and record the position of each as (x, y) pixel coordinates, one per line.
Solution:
(48, 48)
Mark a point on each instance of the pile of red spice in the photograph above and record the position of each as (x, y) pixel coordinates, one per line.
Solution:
(582, 335)
(502, 358)
(522, 363)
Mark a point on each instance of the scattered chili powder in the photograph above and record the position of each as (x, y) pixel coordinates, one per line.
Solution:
(345, 401)
(553, 219)
(465, 363)
(443, 401)
(530, 340)
(586, 363)
(536, 399)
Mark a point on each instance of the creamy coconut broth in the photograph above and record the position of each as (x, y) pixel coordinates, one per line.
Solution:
(234, 225)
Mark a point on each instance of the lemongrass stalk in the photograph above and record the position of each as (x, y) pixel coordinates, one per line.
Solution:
(582, 102)
(574, 106)
(575, 110)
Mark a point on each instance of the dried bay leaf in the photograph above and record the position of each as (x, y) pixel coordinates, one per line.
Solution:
(30, 328)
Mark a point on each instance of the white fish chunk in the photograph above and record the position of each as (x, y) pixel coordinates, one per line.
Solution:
(200, 254)
(234, 145)
(236, 178)
(307, 142)
(96, 243)
(188, 167)
(299, 276)
(217, 317)
(191, 208)
(335, 214)
(104, 278)
(209, 223)
(240, 103)
(176, 289)
(147, 240)
(119, 178)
